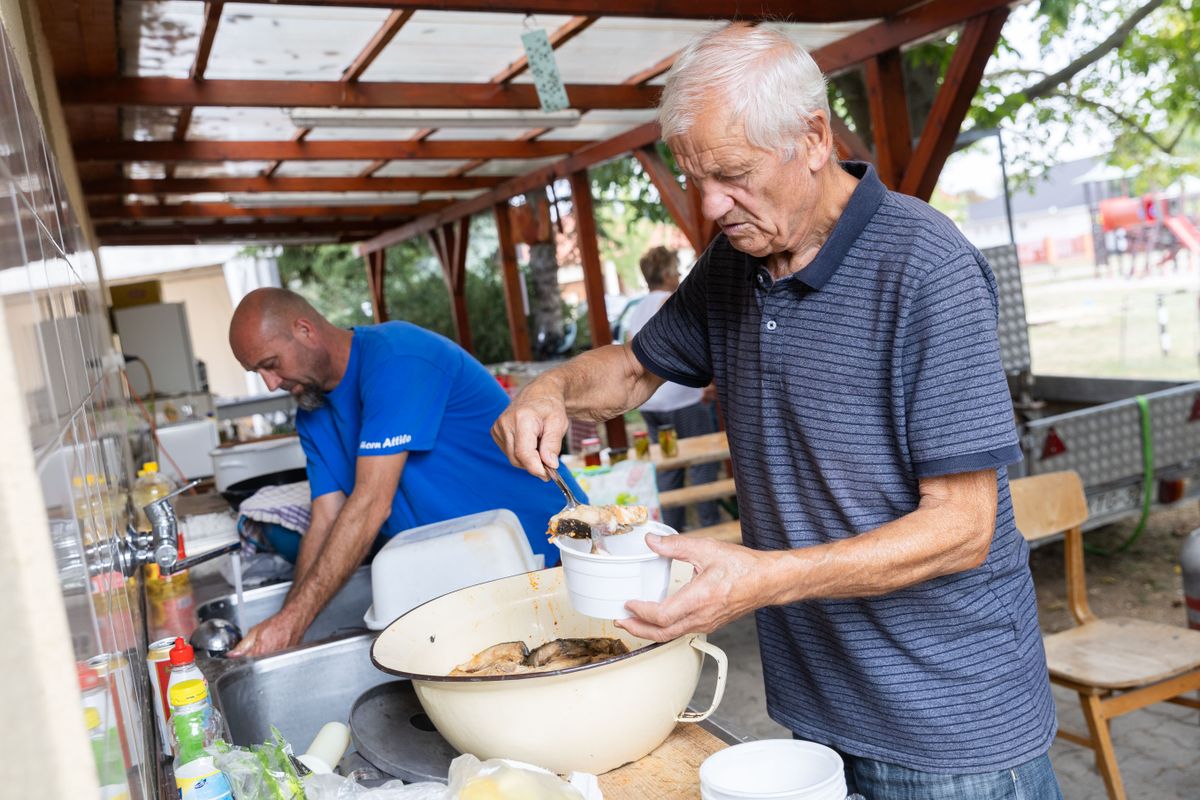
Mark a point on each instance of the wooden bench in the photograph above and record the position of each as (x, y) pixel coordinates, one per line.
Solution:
(730, 531)
(698, 493)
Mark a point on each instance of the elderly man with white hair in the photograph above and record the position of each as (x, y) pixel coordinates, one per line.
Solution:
(852, 334)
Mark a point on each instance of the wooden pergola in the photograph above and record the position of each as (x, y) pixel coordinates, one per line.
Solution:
(172, 181)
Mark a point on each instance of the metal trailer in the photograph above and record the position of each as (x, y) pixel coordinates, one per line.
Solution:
(1111, 431)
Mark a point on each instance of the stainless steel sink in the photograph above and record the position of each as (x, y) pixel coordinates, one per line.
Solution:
(297, 691)
(343, 615)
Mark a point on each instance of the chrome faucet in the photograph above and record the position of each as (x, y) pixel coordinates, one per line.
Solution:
(161, 544)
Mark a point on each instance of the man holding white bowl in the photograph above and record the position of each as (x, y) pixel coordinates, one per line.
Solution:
(852, 334)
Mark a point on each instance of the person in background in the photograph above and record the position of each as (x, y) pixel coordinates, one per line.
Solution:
(394, 423)
(690, 410)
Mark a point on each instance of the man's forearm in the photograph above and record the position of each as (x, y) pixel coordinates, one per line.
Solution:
(343, 549)
(311, 544)
(931, 541)
(599, 384)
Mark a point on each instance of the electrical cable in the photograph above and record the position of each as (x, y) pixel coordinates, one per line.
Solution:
(1147, 484)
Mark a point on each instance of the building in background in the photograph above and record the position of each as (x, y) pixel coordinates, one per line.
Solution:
(1051, 219)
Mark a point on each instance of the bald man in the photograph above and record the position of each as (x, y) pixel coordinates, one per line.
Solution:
(395, 422)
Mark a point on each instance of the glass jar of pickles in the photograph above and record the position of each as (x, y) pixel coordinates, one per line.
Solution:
(617, 454)
(641, 444)
(668, 441)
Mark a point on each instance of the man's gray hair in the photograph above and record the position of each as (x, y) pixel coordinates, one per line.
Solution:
(759, 75)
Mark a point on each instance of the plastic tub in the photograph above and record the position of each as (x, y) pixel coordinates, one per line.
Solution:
(422, 563)
(599, 585)
(773, 769)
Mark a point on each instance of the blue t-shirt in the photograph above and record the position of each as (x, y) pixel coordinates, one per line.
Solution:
(409, 390)
(843, 385)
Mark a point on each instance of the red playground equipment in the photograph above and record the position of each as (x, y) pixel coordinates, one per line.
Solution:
(1147, 225)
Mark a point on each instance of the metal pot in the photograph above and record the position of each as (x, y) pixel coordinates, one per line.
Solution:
(592, 718)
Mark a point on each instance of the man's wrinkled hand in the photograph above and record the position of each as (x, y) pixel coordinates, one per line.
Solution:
(728, 584)
(271, 635)
(530, 432)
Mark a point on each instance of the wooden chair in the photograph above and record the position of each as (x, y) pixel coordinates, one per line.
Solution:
(1115, 665)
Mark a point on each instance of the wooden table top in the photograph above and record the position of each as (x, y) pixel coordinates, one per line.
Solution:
(671, 772)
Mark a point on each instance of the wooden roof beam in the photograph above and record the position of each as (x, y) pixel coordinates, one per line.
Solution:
(222, 211)
(181, 92)
(975, 47)
(256, 228)
(678, 9)
(209, 150)
(123, 186)
(208, 34)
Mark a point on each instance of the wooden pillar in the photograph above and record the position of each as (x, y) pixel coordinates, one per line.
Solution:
(376, 275)
(593, 281)
(514, 297)
(975, 45)
(889, 116)
(450, 244)
(684, 205)
(849, 145)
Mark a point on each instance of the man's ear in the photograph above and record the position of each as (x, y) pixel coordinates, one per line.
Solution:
(818, 141)
(304, 331)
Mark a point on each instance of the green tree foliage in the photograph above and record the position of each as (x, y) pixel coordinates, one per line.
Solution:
(628, 207)
(1094, 70)
(333, 279)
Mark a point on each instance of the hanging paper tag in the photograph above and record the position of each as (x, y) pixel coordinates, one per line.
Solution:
(551, 93)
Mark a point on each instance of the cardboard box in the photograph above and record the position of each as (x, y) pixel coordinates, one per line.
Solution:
(136, 294)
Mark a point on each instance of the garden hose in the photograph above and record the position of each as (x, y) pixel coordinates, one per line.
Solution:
(1147, 484)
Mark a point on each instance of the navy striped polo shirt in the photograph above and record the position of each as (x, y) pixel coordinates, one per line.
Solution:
(842, 385)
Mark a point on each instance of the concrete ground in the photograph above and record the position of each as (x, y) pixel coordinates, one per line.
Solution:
(1158, 749)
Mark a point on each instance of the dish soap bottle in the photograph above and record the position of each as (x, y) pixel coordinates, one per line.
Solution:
(196, 725)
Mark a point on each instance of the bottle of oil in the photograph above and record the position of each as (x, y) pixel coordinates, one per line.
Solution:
(149, 486)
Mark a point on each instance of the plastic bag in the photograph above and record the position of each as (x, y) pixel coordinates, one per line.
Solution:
(335, 787)
(262, 772)
(626, 483)
(501, 779)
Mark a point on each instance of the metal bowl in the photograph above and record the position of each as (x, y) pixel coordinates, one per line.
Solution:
(216, 637)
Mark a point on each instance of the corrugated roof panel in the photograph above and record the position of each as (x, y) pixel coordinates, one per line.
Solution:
(225, 169)
(290, 42)
(241, 124)
(145, 123)
(322, 169)
(455, 46)
(144, 169)
(614, 49)
(160, 38)
(418, 168)
(813, 36)
(599, 125)
(511, 166)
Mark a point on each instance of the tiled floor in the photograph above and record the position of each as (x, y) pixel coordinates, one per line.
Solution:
(1158, 749)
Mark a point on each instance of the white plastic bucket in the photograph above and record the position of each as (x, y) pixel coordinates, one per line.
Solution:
(773, 769)
(599, 585)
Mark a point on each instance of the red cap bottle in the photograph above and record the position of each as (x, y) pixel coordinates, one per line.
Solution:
(182, 653)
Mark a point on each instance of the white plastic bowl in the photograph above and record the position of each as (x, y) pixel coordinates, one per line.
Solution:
(599, 585)
(773, 769)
